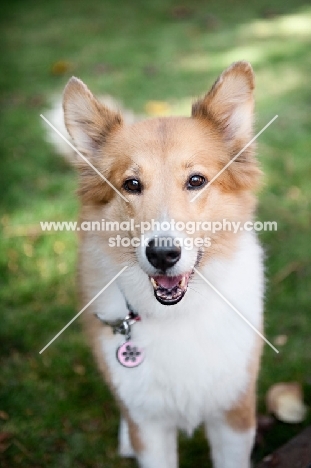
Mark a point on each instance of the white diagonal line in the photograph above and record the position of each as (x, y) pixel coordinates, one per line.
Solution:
(83, 157)
(82, 310)
(233, 159)
(236, 310)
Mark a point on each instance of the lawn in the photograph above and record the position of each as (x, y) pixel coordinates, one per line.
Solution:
(155, 57)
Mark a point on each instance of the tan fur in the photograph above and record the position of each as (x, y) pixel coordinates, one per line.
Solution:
(95, 331)
(151, 151)
(134, 430)
(135, 436)
(127, 154)
(242, 415)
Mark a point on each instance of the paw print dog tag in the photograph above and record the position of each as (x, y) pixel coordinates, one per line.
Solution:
(130, 355)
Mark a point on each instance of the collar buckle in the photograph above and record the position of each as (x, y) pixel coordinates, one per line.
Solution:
(122, 326)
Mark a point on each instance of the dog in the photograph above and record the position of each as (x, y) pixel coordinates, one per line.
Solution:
(163, 331)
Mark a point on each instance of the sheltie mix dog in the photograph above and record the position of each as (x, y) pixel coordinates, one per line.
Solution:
(173, 351)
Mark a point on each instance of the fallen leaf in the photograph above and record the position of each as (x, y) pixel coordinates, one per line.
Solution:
(4, 415)
(280, 340)
(157, 108)
(61, 67)
(285, 401)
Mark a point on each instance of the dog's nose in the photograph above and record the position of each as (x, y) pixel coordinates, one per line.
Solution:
(163, 253)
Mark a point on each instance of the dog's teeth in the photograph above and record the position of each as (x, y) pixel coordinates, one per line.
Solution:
(154, 283)
(182, 282)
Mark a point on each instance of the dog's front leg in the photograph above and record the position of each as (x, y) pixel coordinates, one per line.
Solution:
(231, 446)
(125, 445)
(154, 445)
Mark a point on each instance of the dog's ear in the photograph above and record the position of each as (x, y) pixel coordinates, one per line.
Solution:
(229, 104)
(88, 121)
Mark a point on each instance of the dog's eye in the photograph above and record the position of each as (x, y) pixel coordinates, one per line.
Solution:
(132, 185)
(195, 182)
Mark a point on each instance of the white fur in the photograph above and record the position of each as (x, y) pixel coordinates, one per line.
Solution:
(125, 446)
(197, 353)
(230, 449)
(162, 446)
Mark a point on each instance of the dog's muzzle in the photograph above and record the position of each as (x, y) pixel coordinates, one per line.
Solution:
(163, 253)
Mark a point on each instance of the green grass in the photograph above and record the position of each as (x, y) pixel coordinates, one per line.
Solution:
(56, 408)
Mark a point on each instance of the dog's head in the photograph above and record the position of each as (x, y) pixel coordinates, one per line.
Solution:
(159, 166)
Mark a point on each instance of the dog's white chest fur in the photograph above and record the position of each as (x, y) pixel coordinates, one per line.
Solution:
(197, 353)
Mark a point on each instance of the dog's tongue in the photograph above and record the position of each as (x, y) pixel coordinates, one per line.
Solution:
(168, 282)
(169, 290)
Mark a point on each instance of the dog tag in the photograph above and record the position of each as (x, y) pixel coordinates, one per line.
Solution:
(130, 355)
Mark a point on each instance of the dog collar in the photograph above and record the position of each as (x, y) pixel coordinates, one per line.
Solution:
(127, 354)
(122, 326)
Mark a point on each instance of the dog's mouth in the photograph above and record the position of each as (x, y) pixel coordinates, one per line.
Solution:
(169, 290)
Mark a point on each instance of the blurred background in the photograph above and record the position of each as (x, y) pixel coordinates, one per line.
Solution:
(156, 57)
